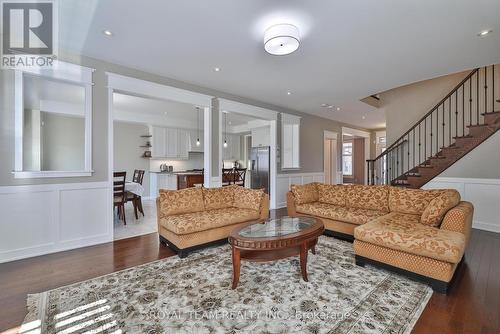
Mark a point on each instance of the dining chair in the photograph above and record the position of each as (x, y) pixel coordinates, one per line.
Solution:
(136, 200)
(119, 195)
(227, 176)
(239, 176)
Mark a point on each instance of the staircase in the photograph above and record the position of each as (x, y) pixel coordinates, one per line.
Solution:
(460, 122)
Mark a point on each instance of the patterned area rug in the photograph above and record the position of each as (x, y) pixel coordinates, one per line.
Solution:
(193, 295)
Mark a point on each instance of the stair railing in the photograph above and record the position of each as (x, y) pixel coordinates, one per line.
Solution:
(461, 109)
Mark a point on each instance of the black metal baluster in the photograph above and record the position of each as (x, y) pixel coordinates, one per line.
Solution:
(419, 144)
(425, 139)
(493, 88)
(408, 149)
(449, 121)
(456, 113)
(477, 96)
(414, 147)
(463, 110)
(443, 125)
(485, 90)
(470, 102)
(432, 135)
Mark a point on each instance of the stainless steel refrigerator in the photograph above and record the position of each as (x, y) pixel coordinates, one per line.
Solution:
(259, 168)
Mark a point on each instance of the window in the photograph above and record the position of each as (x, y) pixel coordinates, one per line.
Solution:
(53, 122)
(347, 158)
(290, 144)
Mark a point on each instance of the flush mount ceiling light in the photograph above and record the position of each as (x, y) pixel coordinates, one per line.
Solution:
(484, 33)
(281, 39)
(107, 33)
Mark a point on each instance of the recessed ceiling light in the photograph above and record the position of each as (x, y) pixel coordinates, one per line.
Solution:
(364, 117)
(338, 108)
(330, 107)
(107, 33)
(484, 33)
(324, 105)
(281, 39)
(288, 93)
(216, 69)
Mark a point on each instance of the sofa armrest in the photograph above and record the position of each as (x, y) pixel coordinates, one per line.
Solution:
(459, 219)
(290, 204)
(264, 207)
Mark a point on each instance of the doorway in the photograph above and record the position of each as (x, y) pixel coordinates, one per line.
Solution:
(330, 158)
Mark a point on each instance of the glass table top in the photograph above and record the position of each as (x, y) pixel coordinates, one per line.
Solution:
(277, 227)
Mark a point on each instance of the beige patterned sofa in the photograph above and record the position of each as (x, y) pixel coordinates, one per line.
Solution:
(193, 218)
(421, 233)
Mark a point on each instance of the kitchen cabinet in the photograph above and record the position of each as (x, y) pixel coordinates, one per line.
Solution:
(193, 136)
(170, 143)
(183, 143)
(159, 181)
(261, 137)
(159, 142)
(233, 149)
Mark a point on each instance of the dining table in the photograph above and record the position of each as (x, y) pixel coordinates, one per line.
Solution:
(134, 188)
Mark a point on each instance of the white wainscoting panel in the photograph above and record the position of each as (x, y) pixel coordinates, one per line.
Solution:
(43, 219)
(284, 181)
(484, 194)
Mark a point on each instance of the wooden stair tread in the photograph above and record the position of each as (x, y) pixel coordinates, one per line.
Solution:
(463, 137)
(491, 113)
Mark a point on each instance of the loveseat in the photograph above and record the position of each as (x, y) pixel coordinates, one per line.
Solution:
(193, 218)
(420, 233)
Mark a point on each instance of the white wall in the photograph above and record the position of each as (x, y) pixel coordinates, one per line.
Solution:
(127, 151)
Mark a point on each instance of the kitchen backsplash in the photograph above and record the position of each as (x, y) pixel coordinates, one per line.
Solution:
(195, 161)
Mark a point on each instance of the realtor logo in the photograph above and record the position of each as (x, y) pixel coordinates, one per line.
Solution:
(29, 37)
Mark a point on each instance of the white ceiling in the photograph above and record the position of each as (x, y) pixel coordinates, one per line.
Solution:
(349, 49)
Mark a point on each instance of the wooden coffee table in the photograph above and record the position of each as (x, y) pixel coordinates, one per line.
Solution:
(273, 240)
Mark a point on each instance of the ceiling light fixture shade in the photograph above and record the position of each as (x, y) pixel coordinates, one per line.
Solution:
(281, 39)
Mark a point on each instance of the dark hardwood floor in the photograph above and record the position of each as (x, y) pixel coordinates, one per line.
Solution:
(472, 306)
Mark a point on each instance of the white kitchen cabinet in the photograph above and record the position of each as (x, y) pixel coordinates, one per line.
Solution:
(193, 136)
(170, 143)
(261, 137)
(183, 143)
(159, 181)
(233, 150)
(158, 141)
(172, 150)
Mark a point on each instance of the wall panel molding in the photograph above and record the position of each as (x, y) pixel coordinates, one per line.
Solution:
(43, 219)
(484, 194)
(284, 181)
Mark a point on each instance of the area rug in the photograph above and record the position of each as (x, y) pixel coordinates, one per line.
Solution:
(193, 295)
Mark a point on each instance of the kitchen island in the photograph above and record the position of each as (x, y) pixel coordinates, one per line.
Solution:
(189, 179)
(173, 180)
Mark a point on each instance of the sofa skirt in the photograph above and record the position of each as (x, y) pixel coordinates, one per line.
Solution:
(425, 266)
